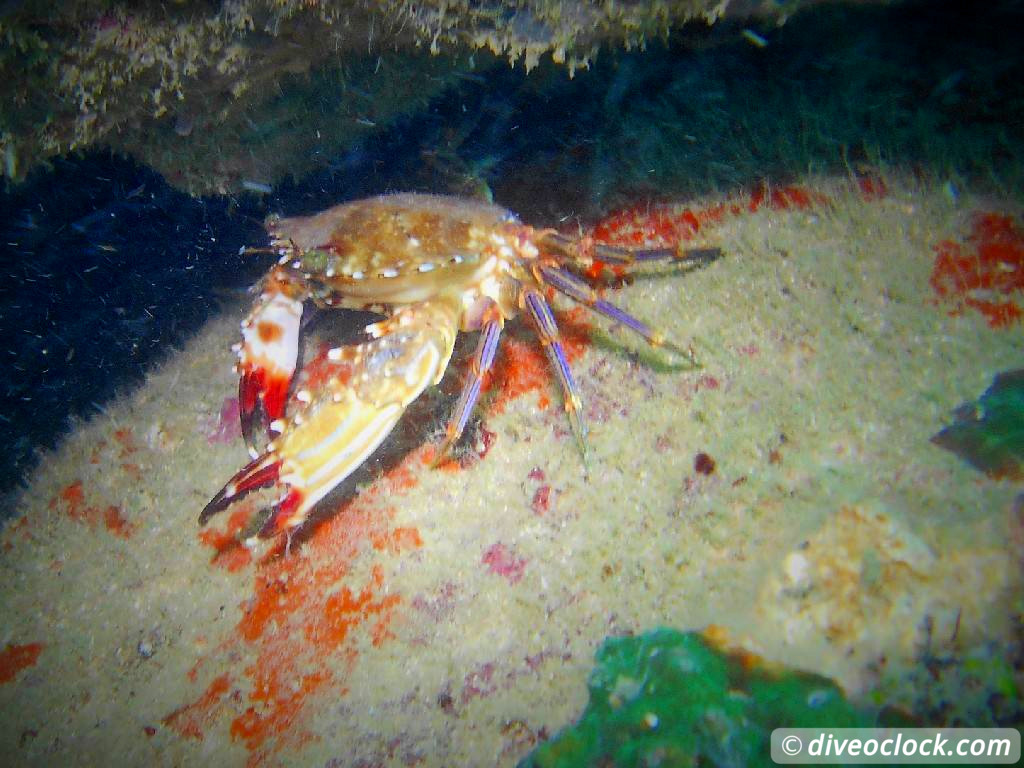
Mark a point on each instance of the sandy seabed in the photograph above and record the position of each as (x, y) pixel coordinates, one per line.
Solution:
(450, 616)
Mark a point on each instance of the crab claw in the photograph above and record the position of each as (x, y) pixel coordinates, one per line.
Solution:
(258, 473)
(266, 363)
(345, 422)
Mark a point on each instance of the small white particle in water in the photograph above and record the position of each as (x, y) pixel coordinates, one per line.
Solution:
(651, 720)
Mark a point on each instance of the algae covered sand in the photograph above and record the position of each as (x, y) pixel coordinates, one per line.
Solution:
(788, 492)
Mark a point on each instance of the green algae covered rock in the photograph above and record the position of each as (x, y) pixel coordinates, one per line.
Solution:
(989, 435)
(668, 698)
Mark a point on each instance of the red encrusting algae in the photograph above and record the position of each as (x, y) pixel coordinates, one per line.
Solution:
(15, 658)
(190, 720)
(304, 620)
(986, 272)
(661, 225)
(231, 554)
(116, 524)
(71, 501)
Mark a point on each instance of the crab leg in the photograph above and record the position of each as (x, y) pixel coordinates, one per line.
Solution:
(550, 339)
(483, 358)
(613, 254)
(344, 423)
(578, 290)
(584, 251)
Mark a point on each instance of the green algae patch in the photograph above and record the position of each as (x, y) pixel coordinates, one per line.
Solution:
(673, 698)
(989, 434)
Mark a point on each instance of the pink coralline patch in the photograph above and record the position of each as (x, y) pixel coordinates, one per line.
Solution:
(501, 560)
(541, 503)
(229, 427)
(707, 381)
(748, 350)
(479, 683)
(440, 606)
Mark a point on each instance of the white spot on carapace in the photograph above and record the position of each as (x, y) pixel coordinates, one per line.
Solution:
(329, 272)
(277, 425)
(303, 396)
(389, 272)
(457, 259)
(357, 275)
(334, 354)
(426, 266)
(414, 242)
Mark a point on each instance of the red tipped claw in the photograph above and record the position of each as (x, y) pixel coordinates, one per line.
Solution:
(261, 399)
(258, 473)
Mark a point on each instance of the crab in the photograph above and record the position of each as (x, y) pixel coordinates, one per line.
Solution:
(432, 266)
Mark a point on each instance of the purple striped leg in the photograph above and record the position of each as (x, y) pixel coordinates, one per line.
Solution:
(550, 339)
(483, 358)
(580, 291)
(584, 252)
